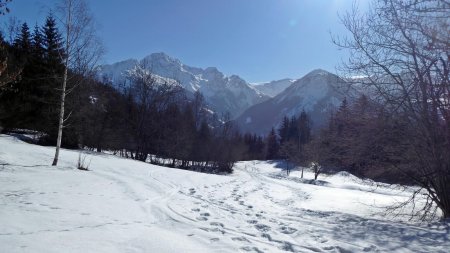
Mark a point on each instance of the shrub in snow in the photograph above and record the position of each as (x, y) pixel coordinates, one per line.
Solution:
(82, 164)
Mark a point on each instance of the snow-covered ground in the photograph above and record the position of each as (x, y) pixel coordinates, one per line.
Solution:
(128, 206)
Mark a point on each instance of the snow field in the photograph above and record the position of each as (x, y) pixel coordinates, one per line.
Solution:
(128, 206)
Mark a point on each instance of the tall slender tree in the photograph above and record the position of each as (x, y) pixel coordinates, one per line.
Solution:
(81, 51)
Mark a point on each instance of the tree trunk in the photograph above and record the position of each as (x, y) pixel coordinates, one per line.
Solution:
(61, 117)
(63, 91)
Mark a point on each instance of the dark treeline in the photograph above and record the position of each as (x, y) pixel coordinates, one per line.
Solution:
(30, 99)
(362, 137)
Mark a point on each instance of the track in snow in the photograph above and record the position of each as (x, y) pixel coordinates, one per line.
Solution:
(128, 206)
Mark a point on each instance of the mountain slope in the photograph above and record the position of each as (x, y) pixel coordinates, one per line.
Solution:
(222, 93)
(317, 93)
(274, 88)
(123, 205)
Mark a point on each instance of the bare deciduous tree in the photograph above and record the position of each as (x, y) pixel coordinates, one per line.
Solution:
(402, 48)
(3, 6)
(82, 50)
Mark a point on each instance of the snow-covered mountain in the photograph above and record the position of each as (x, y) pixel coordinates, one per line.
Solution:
(317, 93)
(274, 88)
(222, 93)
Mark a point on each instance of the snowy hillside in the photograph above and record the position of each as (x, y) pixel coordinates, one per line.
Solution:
(128, 206)
(318, 92)
(223, 93)
(274, 88)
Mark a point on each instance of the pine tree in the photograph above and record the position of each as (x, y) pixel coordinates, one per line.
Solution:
(283, 131)
(52, 71)
(304, 128)
(272, 145)
(53, 47)
(23, 41)
(37, 43)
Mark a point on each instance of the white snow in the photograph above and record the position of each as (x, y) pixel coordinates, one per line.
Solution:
(273, 88)
(122, 205)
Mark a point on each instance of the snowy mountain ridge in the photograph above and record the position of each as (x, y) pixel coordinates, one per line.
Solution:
(223, 93)
(318, 93)
(274, 88)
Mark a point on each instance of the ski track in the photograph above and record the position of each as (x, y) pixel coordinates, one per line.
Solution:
(249, 211)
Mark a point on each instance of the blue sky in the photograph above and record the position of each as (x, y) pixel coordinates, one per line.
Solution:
(259, 40)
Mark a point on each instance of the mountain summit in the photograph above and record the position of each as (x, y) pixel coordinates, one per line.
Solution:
(317, 93)
(222, 93)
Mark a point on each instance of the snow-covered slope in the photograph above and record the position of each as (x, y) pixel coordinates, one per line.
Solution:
(317, 93)
(128, 206)
(274, 88)
(223, 93)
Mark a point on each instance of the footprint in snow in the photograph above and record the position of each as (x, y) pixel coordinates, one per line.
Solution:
(252, 221)
(218, 224)
(287, 230)
(251, 249)
(240, 239)
(262, 227)
(371, 248)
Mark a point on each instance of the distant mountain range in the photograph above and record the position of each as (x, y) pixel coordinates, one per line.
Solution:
(222, 93)
(255, 107)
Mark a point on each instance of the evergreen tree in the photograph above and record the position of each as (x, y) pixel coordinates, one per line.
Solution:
(293, 130)
(304, 128)
(38, 43)
(53, 47)
(53, 69)
(283, 131)
(272, 145)
(23, 42)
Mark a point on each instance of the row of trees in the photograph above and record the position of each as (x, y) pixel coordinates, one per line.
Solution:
(46, 60)
(153, 120)
(30, 100)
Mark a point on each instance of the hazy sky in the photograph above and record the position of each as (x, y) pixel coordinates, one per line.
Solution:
(260, 40)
